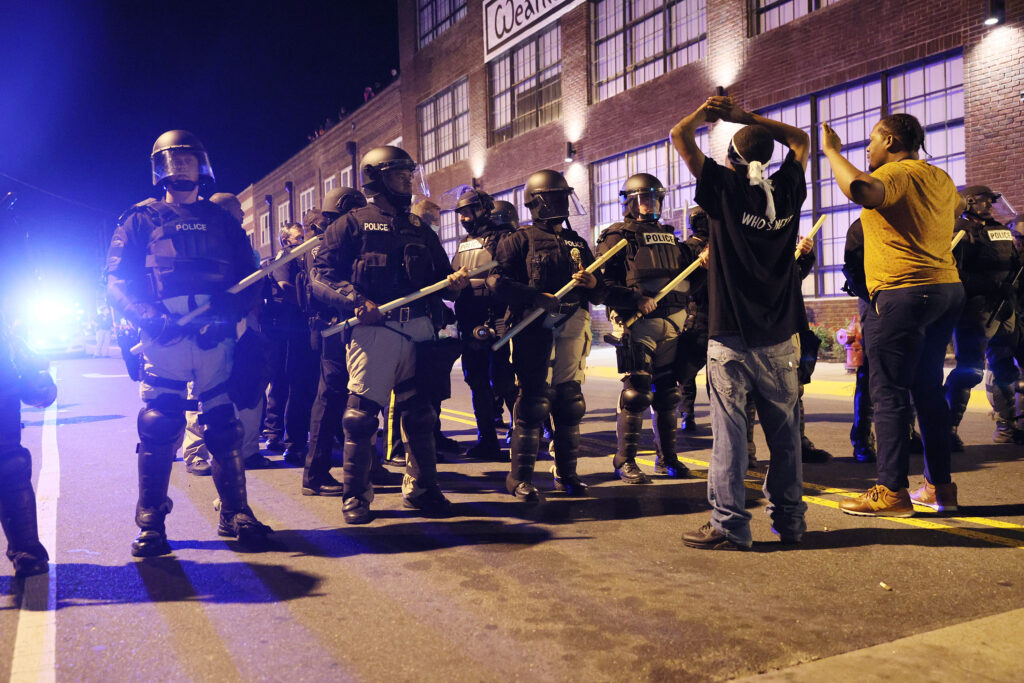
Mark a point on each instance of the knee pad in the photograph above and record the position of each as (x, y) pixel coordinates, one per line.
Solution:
(636, 392)
(360, 418)
(666, 399)
(418, 416)
(222, 431)
(15, 468)
(159, 426)
(965, 378)
(569, 406)
(534, 404)
(1004, 372)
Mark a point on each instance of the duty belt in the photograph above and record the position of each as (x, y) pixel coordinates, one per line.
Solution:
(407, 313)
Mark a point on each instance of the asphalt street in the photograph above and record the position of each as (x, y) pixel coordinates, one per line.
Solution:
(595, 589)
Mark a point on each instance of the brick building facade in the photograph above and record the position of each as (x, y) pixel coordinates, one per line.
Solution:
(610, 77)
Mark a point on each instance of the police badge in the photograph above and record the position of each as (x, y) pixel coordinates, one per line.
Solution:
(577, 260)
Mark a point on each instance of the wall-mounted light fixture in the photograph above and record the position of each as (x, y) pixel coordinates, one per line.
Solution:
(995, 12)
(475, 182)
(570, 153)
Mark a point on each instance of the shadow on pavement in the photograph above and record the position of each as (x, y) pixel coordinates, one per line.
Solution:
(422, 535)
(168, 579)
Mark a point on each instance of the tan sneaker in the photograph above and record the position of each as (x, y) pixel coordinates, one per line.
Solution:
(879, 501)
(941, 498)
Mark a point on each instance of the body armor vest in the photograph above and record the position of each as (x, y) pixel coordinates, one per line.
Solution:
(188, 250)
(395, 258)
(552, 258)
(653, 258)
(990, 258)
(476, 304)
(474, 251)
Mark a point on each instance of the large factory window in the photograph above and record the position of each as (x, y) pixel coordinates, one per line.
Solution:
(526, 86)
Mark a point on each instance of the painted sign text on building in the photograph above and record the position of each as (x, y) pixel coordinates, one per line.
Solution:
(509, 21)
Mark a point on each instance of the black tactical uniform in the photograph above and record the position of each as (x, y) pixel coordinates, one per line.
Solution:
(164, 260)
(481, 319)
(549, 356)
(503, 380)
(23, 377)
(647, 349)
(332, 390)
(692, 351)
(988, 261)
(373, 255)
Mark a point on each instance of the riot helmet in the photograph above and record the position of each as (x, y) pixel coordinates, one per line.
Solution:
(549, 197)
(391, 172)
(642, 197)
(179, 160)
(985, 204)
(229, 203)
(474, 210)
(504, 214)
(341, 200)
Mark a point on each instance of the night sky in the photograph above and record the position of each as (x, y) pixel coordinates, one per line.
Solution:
(88, 86)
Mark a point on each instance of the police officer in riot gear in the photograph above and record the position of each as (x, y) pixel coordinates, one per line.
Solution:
(332, 389)
(340, 201)
(23, 377)
(549, 356)
(165, 259)
(503, 216)
(988, 261)
(647, 349)
(373, 255)
(481, 317)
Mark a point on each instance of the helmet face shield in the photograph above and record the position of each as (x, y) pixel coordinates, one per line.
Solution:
(644, 205)
(405, 179)
(181, 164)
(554, 204)
(1003, 212)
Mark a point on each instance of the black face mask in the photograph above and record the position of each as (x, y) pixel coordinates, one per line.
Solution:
(182, 185)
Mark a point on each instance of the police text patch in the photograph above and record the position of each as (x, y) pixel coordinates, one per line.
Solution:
(470, 245)
(382, 227)
(658, 238)
(1000, 236)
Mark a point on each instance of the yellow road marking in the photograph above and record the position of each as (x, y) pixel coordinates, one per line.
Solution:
(918, 522)
(457, 412)
(444, 414)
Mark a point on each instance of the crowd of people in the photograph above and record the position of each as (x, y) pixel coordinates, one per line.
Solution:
(351, 336)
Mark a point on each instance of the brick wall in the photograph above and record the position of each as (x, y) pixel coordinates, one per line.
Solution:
(827, 48)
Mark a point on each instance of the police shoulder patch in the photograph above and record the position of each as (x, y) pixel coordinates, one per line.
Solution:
(415, 220)
(470, 245)
(1000, 236)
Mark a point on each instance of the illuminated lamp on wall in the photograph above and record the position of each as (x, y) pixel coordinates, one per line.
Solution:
(570, 153)
(995, 12)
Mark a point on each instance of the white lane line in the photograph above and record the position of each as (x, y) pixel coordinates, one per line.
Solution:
(35, 643)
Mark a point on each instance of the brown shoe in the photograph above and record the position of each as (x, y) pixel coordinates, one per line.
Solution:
(879, 501)
(941, 498)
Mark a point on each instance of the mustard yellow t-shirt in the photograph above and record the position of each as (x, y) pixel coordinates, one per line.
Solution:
(907, 238)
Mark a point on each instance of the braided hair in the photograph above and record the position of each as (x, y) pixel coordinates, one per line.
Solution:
(907, 129)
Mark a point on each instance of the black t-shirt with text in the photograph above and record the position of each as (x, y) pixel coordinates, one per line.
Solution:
(753, 283)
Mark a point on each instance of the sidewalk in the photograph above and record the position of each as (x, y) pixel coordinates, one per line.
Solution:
(830, 380)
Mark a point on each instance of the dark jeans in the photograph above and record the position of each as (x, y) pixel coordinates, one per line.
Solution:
(907, 347)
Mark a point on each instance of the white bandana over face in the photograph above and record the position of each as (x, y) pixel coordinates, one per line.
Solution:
(755, 173)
